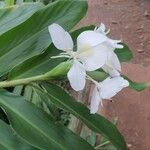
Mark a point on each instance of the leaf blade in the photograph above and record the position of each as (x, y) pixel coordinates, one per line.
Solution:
(10, 17)
(37, 127)
(10, 140)
(95, 122)
(42, 63)
(32, 37)
(136, 85)
(124, 54)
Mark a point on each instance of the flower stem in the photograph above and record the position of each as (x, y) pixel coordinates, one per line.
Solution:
(16, 82)
(58, 71)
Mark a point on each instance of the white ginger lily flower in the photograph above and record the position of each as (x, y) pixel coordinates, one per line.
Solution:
(112, 66)
(91, 54)
(106, 90)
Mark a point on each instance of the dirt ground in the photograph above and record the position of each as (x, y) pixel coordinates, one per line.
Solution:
(128, 20)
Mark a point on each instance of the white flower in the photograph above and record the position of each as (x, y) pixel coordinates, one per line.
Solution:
(112, 66)
(106, 90)
(91, 54)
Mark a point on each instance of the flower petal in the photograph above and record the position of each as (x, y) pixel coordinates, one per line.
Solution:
(115, 62)
(115, 43)
(61, 39)
(95, 61)
(101, 29)
(97, 58)
(90, 38)
(111, 71)
(76, 76)
(111, 86)
(95, 101)
(112, 66)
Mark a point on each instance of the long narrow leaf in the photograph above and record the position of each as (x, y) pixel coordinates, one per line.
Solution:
(32, 37)
(42, 63)
(37, 127)
(137, 85)
(9, 139)
(10, 17)
(95, 122)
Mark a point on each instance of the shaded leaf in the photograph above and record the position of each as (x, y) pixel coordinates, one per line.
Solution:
(18, 89)
(42, 63)
(94, 121)
(10, 17)
(32, 37)
(10, 141)
(37, 127)
(124, 54)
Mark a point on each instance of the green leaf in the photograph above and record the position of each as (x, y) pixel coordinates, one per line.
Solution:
(37, 127)
(32, 37)
(98, 75)
(10, 17)
(9, 2)
(10, 141)
(36, 65)
(94, 121)
(124, 54)
(137, 86)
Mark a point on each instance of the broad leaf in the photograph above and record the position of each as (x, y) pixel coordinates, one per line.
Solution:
(37, 127)
(10, 140)
(95, 122)
(32, 38)
(36, 65)
(10, 17)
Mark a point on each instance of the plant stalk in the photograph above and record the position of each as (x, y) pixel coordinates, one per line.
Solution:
(16, 82)
(58, 71)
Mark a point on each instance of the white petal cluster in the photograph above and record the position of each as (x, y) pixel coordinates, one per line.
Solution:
(106, 90)
(94, 50)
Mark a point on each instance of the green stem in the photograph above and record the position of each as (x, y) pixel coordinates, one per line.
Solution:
(58, 71)
(103, 144)
(12, 83)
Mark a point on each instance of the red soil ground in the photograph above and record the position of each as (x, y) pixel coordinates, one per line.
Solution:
(128, 20)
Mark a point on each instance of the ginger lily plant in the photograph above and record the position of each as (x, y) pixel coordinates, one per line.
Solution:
(36, 54)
